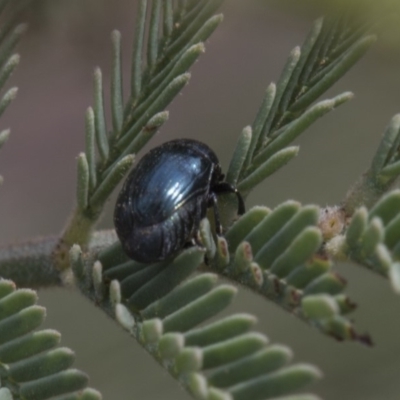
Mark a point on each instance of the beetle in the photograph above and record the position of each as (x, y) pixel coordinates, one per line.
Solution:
(164, 198)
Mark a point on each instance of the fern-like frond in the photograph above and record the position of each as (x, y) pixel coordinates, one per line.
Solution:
(159, 306)
(330, 50)
(33, 366)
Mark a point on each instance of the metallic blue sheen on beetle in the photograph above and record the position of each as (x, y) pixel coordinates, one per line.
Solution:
(164, 198)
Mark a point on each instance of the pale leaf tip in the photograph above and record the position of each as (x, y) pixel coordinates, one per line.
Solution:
(219, 17)
(116, 34)
(229, 289)
(97, 73)
(185, 77)
(75, 249)
(90, 113)
(395, 120)
(5, 135)
(198, 48)
(12, 93)
(247, 131)
(14, 59)
(296, 51)
(311, 370)
(124, 317)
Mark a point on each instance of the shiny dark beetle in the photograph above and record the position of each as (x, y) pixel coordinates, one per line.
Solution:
(165, 197)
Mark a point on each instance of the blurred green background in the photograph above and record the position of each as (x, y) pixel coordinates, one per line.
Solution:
(66, 40)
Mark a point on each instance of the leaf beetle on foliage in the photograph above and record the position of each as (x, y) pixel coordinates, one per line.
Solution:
(164, 198)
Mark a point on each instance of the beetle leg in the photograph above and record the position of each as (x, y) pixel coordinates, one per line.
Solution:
(213, 202)
(225, 187)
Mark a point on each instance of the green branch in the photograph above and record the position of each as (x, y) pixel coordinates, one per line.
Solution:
(30, 264)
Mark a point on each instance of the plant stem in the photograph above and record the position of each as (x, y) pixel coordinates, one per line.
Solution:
(32, 264)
